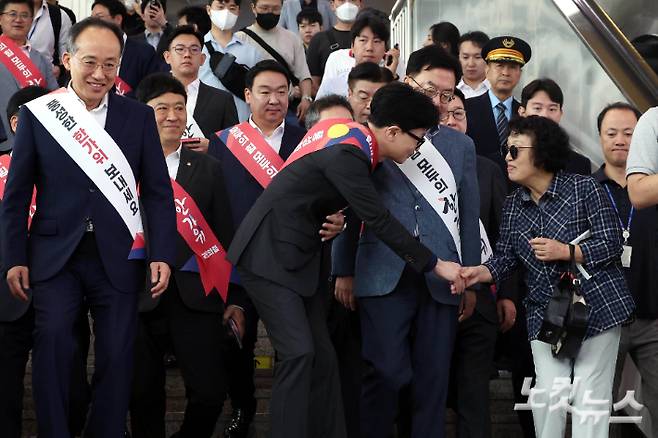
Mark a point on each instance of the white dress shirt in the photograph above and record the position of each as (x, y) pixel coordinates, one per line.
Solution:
(99, 113)
(275, 139)
(192, 95)
(41, 34)
(336, 85)
(341, 61)
(473, 92)
(153, 38)
(173, 161)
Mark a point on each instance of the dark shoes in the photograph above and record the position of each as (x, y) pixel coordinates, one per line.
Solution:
(238, 426)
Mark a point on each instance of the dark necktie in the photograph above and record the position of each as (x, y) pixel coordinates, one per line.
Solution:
(502, 125)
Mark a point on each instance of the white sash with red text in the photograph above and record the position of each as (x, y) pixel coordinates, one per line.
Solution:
(252, 151)
(5, 162)
(96, 153)
(210, 256)
(19, 64)
(192, 129)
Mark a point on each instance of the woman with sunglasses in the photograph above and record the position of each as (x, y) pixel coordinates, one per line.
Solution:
(550, 209)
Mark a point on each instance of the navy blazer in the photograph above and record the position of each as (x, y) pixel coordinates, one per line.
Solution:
(138, 61)
(66, 197)
(243, 189)
(482, 128)
(376, 268)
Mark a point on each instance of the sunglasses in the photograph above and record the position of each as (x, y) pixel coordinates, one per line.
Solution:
(419, 140)
(513, 150)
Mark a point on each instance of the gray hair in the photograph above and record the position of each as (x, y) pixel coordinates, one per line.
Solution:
(85, 24)
(324, 103)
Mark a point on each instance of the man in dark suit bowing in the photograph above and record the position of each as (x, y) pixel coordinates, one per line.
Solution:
(267, 97)
(85, 154)
(209, 110)
(490, 113)
(138, 59)
(277, 248)
(188, 318)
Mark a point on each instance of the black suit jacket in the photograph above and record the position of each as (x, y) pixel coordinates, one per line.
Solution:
(138, 61)
(214, 110)
(10, 308)
(201, 177)
(278, 239)
(578, 164)
(162, 44)
(482, 128)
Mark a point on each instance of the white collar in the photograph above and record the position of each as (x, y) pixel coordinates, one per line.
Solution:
(277, 130)
(175, 154)
(100, 106)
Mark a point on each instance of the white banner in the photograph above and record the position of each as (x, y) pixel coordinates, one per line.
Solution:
(430, 173)
(192, 129)
(485, 246)
(87, 143)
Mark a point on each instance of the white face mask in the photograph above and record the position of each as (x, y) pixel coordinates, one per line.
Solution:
(347, 12)
(223, 19)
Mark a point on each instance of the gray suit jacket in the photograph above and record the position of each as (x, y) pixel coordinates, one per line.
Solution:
(9, 85)
(377, 269)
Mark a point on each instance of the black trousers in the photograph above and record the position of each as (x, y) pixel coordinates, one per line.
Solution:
(472, 361)
(197, 339)
(15, 345)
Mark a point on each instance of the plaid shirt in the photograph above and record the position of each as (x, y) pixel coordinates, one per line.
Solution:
(572, 205)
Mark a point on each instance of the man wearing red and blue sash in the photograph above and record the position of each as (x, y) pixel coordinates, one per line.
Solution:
(85, 150)
(278, 251)
(196, 308)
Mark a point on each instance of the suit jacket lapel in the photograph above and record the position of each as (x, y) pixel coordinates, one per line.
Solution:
(201, 102)
(186, 167)
(116, 119)
(287, 145)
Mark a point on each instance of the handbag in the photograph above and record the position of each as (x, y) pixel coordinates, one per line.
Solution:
(565, 320)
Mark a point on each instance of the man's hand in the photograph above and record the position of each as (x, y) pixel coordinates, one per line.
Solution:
(394, 56)
(235, 313)
(201, 146)
(549, 250)
(334, 226)
(344, 293)
(160, 273)
(451, 272)
(476, 274)
(302, 108)
(18, 281)
(467, 305)
(156, 13)
(506, 314)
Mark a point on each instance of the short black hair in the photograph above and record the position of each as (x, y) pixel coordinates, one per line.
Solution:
(458, 93)
(255, 2)
(447, 33)
(145, 3)
(114, 7)
(310, 15)
(376, 25)
(23, 96)
(187, 29)
(386, 104)
(476, 37)
(28, 3)
(548, 86)
(196, 15)
(322, 104)
(157, 84)
(261, 67)
(616, 106)
(550, 142)
(90, 22)
(369, 71)
(430, 57)
(237, 2)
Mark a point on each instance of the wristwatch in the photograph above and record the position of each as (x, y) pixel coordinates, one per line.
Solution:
(309, 98)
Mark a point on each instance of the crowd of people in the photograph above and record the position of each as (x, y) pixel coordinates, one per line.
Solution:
(404, 228)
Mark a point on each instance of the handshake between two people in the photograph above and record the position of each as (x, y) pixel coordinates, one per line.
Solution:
(461, 277)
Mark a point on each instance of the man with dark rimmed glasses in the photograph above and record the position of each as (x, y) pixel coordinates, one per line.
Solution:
(396, 304)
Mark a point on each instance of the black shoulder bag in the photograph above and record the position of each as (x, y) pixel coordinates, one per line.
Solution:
(231, 74)
(565, 321)
(276, 55)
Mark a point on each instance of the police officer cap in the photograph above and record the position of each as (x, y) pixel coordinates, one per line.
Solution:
(507, 49)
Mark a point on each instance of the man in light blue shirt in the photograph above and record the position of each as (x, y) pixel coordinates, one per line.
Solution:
(223, 15)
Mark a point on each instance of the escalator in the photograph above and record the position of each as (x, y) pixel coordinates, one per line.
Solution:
(584, 45)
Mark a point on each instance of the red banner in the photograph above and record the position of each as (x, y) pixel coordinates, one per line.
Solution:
(336, 131)
(122, 88)
(252, 151)
(5, 162)
(214, 269)
(19, 64)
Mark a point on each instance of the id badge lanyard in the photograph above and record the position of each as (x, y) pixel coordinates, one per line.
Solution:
(626, 230)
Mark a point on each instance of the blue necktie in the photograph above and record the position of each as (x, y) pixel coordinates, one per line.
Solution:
(502, 125)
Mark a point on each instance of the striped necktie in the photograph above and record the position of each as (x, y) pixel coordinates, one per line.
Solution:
(502, 125)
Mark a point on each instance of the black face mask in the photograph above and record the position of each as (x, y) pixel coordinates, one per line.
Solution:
(267, 21)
